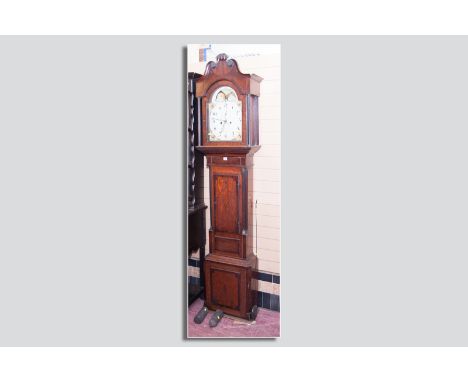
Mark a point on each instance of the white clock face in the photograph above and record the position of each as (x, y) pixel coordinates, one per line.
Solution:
(225, 116)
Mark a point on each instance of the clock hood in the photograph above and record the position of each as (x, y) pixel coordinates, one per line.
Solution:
(227, 69)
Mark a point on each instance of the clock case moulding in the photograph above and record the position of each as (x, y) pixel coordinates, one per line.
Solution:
(230, 267)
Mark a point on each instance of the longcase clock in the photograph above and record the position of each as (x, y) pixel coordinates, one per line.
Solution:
(229, 138)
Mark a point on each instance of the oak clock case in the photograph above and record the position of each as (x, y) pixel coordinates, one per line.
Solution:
(228, 102)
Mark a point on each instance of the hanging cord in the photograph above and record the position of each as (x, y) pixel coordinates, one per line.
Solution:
(256, 227)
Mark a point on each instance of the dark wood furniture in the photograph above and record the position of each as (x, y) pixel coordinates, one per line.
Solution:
(229, 139)
(196, 206)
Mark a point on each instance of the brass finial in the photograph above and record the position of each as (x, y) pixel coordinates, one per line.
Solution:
(221, 57)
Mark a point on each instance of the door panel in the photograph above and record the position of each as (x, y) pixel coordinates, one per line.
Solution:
(226, 202)
(225, 288)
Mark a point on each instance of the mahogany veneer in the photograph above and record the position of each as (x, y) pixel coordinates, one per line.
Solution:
(231, 263)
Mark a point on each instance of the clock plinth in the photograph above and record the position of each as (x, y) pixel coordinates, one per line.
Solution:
(228, 102)
(231, 285)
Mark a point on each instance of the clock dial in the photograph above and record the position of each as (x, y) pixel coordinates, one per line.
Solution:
(225, 116)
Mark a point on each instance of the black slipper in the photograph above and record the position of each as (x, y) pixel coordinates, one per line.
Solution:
(216, 317)
(201, 315)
